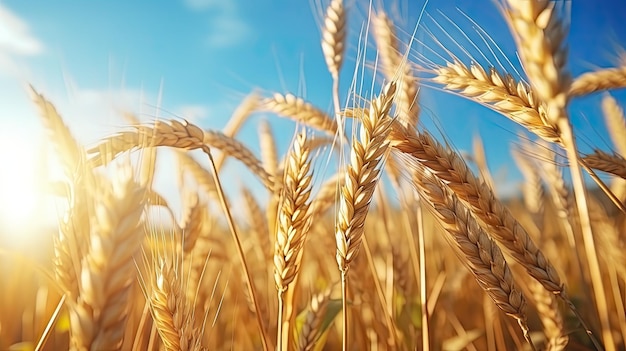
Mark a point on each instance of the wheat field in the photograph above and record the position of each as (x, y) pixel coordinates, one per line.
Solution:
(372, 233)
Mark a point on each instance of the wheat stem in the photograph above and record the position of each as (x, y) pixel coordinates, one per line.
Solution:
(242, 256)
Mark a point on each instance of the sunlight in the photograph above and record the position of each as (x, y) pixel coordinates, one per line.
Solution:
(20, 194)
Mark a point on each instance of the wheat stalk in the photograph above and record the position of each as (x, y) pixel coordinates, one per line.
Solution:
(294, 221)
(361, 178)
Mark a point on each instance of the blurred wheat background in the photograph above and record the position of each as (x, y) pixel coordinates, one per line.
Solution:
(359, 225)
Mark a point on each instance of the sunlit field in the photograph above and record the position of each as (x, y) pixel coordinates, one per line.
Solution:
(371, 231)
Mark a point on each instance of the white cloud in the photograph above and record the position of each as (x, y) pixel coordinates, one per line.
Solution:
(14, 35)
(226, 31)
(15, 41)
(226, 26)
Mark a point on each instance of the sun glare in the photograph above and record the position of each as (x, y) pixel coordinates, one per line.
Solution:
(20, 197)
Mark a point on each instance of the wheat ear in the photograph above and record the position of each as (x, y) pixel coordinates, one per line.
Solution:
(605, 162)
(234, 148)
(99, 315)
(70, 244)
(361, 178)
(202, 176)
(310, 331)
(177, 135)
(550, 316)
(603, 79)
(162, 133)
(333, 47)
(540, 37)
(70, 151)
(515, 100)
(532, 189)
(482, 255)
(296, 108)
(294, 221)
(396, 67)
(192, 219)
(334, 36)
(172, 315)
(258, 221)
(500, 92)
(248, 105)
(615, 122)
(450, 167)
(616, 125)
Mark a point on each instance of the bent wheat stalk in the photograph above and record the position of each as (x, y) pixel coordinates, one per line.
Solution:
(502, 226)
(162, 133)
(177, 135)
(479, 253)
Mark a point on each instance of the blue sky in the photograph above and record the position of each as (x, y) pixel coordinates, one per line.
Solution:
(198, 58)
